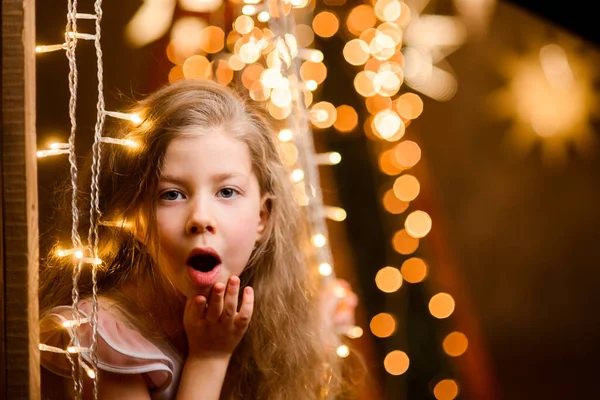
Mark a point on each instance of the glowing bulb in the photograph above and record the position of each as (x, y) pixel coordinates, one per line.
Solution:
(343, 351)
(78, 254)
(297, 175)
(248, 10)
(354, 332)
(311, 85)
(325, 269)
(285, 135)
(61, 253)
(319, 240)
(335, 157)
(316, 56)
(263, 16)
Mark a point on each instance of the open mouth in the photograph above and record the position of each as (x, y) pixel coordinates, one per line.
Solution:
(204, 262)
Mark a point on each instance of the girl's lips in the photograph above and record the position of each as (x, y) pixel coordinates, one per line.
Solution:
(204, 279)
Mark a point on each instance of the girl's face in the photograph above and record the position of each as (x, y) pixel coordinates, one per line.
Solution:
(210, 212)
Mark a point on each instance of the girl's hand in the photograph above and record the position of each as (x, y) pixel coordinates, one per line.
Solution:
(215, 330)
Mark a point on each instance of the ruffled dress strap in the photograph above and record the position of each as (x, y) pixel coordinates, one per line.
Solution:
(120, 347)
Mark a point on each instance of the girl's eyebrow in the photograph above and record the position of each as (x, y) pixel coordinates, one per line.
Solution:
(220, 177)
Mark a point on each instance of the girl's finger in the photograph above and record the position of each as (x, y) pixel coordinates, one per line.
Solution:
(242, 319)
(231, 299)
(200, 303)
(215, 305)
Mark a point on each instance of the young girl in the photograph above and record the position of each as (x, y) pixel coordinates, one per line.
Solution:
(204, 291)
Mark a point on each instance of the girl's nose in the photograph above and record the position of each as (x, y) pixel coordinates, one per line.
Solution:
(200, 221)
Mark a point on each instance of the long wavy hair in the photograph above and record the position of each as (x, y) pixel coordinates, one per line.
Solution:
(284, 354)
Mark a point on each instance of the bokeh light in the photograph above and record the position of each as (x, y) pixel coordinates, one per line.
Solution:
(360, 19)
(418, 224)
(396, 362)
(347, 119)
(455, 344)
(446, 389)
(392, 204)
(407, 153)
(325, 24)
(403, 243)
(441, 305)
(388, 279)
(414, 270)
(406, 187)
(383, 325)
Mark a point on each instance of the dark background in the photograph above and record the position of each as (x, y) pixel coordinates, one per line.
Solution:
(514, 241)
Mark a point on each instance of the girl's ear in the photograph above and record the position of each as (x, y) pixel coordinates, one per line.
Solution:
(265, 211)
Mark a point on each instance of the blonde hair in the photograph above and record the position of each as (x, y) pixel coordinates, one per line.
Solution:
(283, 354)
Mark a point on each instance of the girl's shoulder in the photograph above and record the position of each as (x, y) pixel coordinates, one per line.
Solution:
(121, 347)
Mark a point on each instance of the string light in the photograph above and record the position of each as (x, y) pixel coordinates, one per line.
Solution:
(343, 351)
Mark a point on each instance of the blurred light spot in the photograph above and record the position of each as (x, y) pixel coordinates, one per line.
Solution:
(325, 269)
(392, 204)
(389, 125)
(285, 135)
(366, 83)
(343, 351)
(223, 73)
(403, 243)
(396, 362)
(406, 187)
(206, 6)
(325, 24)
(414, 270)
(378, 103)
(409, 106)
(304, 35)
(355, 332)
(388, 10)
(243, 24)
(318, 240)
(388, 163)
(441, 305)
(388, 279)
(356, 52)
(383, 325)
(360, 19)
(323, 114)
(418, 224)
(176, 73)
(407, 153)
(297, 176)
(213, 39)
(186, 36)
(196, 67)
(289, 153)
(446, 389)
(455, 344)
(251, 74)
(315, 71)
(347, 119)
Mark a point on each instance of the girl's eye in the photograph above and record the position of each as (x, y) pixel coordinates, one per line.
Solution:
(228, 193)
(171, 195)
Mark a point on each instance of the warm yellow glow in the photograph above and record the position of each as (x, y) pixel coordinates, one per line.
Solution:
(392, 204)
(388, 10)
(249, 52)
(325, 24)
(271, 78)
(205, 6)
(248, 9)
(343, 351)
(547, 104)
(403, 243)
(281, 96)
(407, 153)
(409, 106)
(360, 19)
(258, 92)
(335, 213)
(414, 270)
(389, 125)
(388, 279)
(366, 83)
(441, 305)
(383, 325)
(347, 119)
(316, 56)
(196, 67)
(285, 135)
(406, 187)
(396, 362)
(279, 113)
(315, 71)
(186, 37)
(243, 24)
(78, 254)
(455, 344)
(236, 63)
(335, 157)
(323, 114)
(418, 224)
(388, 164)
(263, 16)
(251, 74)
(304, 35)
(446, 389)
(325, 269)
(297, 175)
(311, 85)
(213, 39)
(318, 240)
(378, 103)
(289, 153)
(356, 52)
(355, 332)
